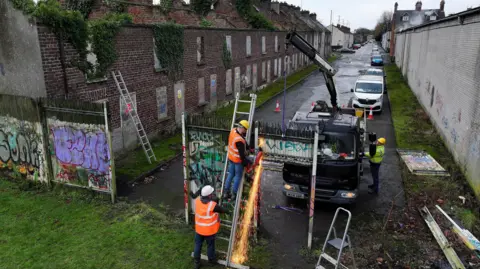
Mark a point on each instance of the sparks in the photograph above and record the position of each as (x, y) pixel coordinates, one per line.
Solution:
(240, 253)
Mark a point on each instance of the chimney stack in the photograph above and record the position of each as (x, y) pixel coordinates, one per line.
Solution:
(442, 5)
(305, 13)
(275, 6)
(396, 7)
(418, 6)
(313, 16)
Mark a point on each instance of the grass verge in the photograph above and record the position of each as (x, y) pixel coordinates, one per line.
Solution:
(136, 162)
(67, 229)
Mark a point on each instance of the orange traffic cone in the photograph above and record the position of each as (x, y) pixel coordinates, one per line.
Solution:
(370, 115)
(277, 107)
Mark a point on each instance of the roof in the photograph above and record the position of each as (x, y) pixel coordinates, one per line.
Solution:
(415, 17)
(369, 78)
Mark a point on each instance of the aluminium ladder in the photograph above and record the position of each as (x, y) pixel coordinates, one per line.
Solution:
(231, 225)
(338, 243)
(142, 135)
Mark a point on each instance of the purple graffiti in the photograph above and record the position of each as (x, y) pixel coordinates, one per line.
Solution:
(88, 150)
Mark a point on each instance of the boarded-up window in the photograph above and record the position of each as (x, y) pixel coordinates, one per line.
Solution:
(200, 50)
(276, 43)
(264, 48)
(263, 71)
(162, 102)
(156, 2)
(248, 75)
(280, 73)
(249, 46)
(228, 39)
(228, 82)
(275, 67)
(124, 108)
(158, 65)
(201, 91)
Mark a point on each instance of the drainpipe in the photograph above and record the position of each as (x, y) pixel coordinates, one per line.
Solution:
(62, 62)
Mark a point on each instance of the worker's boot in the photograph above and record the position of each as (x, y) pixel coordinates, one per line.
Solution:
(197, 264)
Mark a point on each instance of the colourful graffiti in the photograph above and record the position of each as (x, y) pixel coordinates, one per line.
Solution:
(207, 157)
(80, 155)
(21, 149)
(288, 146)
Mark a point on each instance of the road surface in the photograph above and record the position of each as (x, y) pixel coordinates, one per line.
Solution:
(287, 231)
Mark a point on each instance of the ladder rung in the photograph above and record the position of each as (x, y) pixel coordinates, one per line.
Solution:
(244, 101)
(224, 238)
(243, 113)
(222, 252)
(329, 258)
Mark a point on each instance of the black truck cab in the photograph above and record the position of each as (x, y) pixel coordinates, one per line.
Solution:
(339, 164)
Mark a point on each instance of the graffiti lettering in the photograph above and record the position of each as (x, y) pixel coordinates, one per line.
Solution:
(288, 146)
(19, 148)
(454, 136)
(88, 150)
(445, 122)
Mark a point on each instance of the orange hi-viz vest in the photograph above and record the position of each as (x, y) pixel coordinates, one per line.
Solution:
(233, 154)
(207, 222)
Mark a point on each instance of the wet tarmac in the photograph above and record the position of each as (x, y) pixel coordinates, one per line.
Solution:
(286, 231)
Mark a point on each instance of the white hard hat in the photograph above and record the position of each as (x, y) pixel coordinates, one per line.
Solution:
(207, 190)
(327, 152)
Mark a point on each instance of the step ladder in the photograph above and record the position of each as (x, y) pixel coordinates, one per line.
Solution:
(337, 243)
(228, 227)
(132, 111)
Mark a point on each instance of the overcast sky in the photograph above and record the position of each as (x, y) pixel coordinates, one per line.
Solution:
(365, 13)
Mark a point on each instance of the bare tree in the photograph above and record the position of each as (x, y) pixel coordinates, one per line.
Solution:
(383, 25)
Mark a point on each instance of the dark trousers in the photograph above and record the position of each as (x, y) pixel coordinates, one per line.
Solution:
(210, 246)
(375, 169)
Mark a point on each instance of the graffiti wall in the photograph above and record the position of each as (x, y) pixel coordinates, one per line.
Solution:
(80, 154)
(21, 149)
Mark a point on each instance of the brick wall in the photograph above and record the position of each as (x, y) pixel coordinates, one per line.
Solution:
(441, 62)
(134, 46)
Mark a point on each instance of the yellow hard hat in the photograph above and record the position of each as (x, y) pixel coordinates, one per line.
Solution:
(244, 124)
(382, 140)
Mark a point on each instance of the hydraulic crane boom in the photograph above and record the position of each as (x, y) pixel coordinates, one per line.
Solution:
(327, 70)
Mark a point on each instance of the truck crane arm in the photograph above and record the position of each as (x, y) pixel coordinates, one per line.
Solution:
(327, 70)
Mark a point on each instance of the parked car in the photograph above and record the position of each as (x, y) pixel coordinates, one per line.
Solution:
(356, 46)
(378, 72)
(345, 50)
(368, 92)
(376, 60)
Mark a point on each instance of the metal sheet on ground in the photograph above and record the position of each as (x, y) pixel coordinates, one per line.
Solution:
(419, 162)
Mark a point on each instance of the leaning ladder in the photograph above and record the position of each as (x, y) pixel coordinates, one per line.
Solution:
(338, 243)
(142, 135)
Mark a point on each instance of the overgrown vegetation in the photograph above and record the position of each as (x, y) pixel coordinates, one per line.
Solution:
(226, 56)
(80, 224)
(169, 48)
(256, 19)
(205, 23)
(201, 7)
(72, 24)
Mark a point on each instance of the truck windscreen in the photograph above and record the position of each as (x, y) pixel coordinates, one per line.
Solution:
(336, 146)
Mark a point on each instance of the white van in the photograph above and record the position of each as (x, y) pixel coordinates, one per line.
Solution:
(368, 92)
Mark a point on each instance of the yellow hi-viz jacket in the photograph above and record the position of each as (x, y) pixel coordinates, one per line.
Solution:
(378, 157)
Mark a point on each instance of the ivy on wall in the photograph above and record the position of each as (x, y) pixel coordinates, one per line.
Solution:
(206, 23)
(115, 6)
(73, 25)
(169, 48)
(201, 7)
(256, 19)
(226, 56)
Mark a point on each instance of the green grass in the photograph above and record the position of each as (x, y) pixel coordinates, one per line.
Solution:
(333, 57)
(56, 229)
(136, 162)
(268, 92)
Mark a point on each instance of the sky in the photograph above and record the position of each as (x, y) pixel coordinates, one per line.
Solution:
(365, 13)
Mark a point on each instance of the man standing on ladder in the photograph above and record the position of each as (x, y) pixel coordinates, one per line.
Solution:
(237, 158)
(375, 162)
(207, 224)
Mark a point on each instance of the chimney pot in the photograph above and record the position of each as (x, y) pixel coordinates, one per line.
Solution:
(396, 6)
(442, 5)
(313, 16)
(418, 6)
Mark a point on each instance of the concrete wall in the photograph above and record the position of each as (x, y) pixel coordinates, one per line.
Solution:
(21, 70)
(441, 62)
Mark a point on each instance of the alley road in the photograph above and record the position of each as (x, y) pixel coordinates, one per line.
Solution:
(287, 231)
